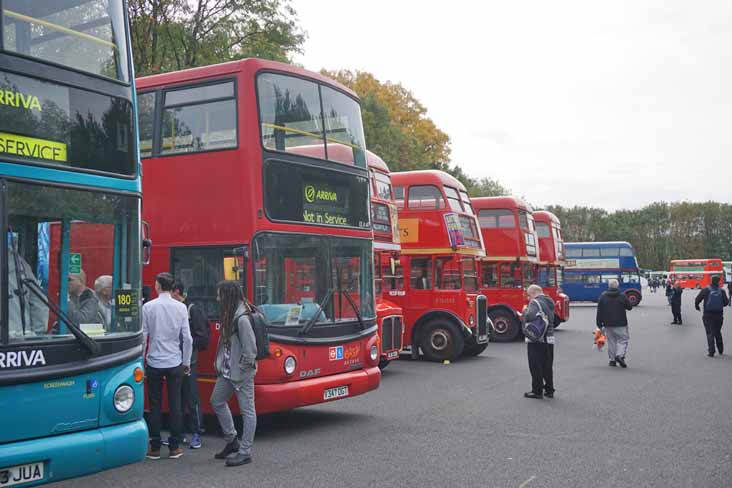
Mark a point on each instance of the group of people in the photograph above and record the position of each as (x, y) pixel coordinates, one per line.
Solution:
(87, 306)
(612, 321)
(174, 332)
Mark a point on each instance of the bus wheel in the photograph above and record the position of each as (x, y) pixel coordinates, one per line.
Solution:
(634, 299)
(557, 321)
(473, 349)
(383, 364)
(441, 340)
(506, 327)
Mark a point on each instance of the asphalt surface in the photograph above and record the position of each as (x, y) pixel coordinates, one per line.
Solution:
(665, 421)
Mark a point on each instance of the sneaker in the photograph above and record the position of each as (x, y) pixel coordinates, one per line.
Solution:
(531, 394)
(153, 454)
(195, 441)
(549, 394)
(710, 354)
(175, 453)
(166, 442)
(621, 362)
(238, 460)
(229, 448)
(612, 363)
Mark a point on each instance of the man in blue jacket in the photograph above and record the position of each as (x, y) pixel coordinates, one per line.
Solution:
(715, 299)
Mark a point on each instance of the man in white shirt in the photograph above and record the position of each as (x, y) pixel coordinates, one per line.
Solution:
(168, 355)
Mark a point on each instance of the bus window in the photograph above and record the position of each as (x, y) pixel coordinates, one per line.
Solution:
(510, 275)
(607, 277)
(399, 196)
(489, 273)
(393, 281)
(466, 202)
(631, 278)
(592, 279)
(453, 199)
(542, 229)
(573, 252)
(470, 274)
(591, 252)
(146, 120)
(609, 252)
(200, 269)
(626, 251)
(421, 273)
(447, 274)
(524, 220)
(382, 185)
(528, 274)
(425, 196)
(492, 219)
(343, 130)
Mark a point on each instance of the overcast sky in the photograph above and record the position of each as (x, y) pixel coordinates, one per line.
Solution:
(606, 103)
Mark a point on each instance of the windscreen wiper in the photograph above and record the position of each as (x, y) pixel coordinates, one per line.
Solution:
(309, 325)
(20, 291)
(91, 345)
(353, 306)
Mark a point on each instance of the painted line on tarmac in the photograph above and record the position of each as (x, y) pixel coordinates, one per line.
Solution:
(522, 485)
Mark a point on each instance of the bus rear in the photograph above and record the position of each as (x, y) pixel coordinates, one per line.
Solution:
(551, 262)
(444, 314)
(71, 371)
(286, 209)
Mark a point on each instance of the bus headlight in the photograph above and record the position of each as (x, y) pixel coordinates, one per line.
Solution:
(124, 398)
(290, 365)
(374, 353)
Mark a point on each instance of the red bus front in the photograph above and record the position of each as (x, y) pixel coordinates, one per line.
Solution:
(257, 170)
(551, 259)
(386, 253)
(507, 226)
(435, 281)
(696, 273)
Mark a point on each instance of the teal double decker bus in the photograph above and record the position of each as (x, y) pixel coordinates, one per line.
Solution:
(71, 370)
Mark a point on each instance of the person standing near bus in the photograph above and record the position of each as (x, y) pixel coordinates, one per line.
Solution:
(669, 291)
(715, 299)
(200, 332)
(540, 353)
(236, 365)
(612, 319)
(168, 357)
(729, 291)
(676, 303)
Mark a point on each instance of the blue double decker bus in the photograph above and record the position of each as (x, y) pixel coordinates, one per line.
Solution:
(71, 371)
(591, 265)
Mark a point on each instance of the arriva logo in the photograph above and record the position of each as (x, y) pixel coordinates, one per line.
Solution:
(22, 359)
(310, 193)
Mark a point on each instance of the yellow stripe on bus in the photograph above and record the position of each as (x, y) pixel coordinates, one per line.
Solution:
(309, 134)
(443, 250)
(58, 28)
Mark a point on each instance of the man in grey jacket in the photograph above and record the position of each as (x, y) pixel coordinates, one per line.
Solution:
(540, 353)
(236, 365)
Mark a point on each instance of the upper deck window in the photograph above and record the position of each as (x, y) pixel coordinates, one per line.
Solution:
(466, 202)
(626, 251)
(524, 220)
(399, 196)
(590, 252)
(573, 252)
(542, 230)
(146, 122)
(609, 252)
(87, 35)
(302, 117)
(201, 118)
(382, 185)
(425, 197)
(453, 199)
(496, 219)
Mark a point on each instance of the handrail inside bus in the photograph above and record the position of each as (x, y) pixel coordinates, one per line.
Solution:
(59, 28)
(311, 134)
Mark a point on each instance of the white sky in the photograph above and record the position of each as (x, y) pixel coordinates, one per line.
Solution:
(606, 103)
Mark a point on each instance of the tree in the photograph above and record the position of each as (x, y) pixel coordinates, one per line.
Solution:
(170, 35)
(488, 187)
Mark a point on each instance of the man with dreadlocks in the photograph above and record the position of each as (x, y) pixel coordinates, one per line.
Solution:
(236, 365)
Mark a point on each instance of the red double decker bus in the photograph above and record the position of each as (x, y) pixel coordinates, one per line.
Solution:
(386, 256)
(696, 273)
(257, 170)
(551, 262)
(512, 253)
(444, 314)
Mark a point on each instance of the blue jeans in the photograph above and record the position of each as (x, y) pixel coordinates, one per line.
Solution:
(244, 391)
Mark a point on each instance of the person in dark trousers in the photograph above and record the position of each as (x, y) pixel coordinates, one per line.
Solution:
(676, 303)
(540, 353)
(612, 319)
(669, 291)
(715, 299)
(167, 358)
(236, 365)
(201, 334)
(729, 291)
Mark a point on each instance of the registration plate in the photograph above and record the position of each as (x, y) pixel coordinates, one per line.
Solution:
(17, 475)
(392, 355)
(337, 392)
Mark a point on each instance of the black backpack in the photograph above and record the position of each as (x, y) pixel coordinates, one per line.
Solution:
(259, 326)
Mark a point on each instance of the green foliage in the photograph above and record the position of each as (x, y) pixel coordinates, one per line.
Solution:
(659, 232)
(169, 35)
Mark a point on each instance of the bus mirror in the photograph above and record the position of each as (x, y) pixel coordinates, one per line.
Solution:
(146, 243)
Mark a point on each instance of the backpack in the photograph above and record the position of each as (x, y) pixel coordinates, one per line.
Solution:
(535, 329)
(203, 345)
(259, 326)
(715, 301)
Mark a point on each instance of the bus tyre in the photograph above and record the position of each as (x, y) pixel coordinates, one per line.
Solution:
(633, 298)
(383, 364)
(557, 321)
(506, 327)
(441, 340)
(473, 349)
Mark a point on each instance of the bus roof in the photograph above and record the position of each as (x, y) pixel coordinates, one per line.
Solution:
(375, 162)
(507, 202)
(426, 177)
(547, 217)
(231, 67)
(599, 244)
(681, 261)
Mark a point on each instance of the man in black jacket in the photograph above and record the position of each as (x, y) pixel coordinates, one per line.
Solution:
(200, 333)
(676, 303)
(540, 353)
(612, 319)
(715, 299)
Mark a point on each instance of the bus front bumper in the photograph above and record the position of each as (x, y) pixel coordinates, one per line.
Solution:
(79, 453)
(286, 396)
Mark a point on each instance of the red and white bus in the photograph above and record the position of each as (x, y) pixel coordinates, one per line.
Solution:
(512, 255)
(436, 277)
(551, 262)
(257, 169)
(386, 256)
(696, 273)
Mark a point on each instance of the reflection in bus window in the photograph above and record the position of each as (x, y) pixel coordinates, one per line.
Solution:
(510, 275)
(146, 122)
(528, 273)
(343, 130)
(489, 274)
(496, 218)
(425, 196)
(382, 185)
(421, 273)
(542, 230)
(470, 274)
(447, 274)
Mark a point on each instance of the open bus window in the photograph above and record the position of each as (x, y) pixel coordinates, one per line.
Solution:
(78, 250)
(447, 274)
(470, 274)
(87, 35)
(420, 273)
(425, 197)
(489, 273)
(510, 275)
